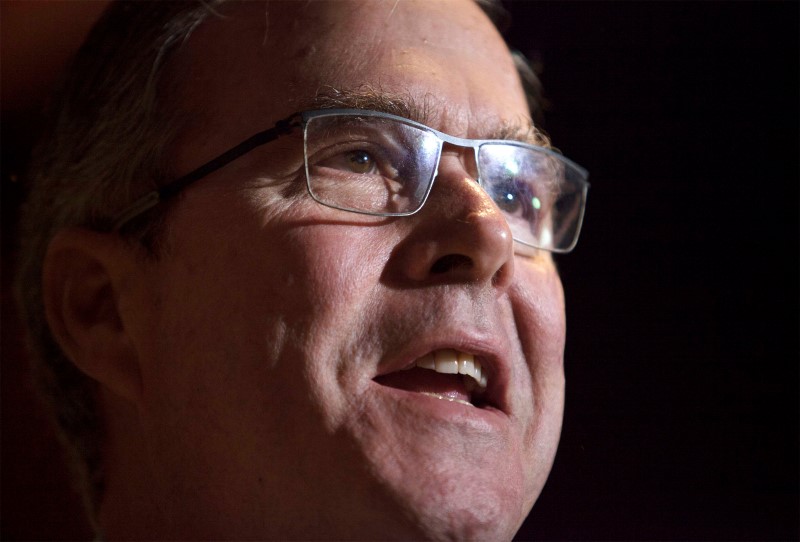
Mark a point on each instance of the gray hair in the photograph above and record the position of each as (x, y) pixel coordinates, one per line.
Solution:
(104, 145)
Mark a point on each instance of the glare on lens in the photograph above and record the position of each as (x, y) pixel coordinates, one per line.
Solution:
(512, 167)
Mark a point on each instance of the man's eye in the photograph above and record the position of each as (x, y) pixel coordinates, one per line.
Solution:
(508, 201)
(360, 162)
(357, 161)
(514, 197)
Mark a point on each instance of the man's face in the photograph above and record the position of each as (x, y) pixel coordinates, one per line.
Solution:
(277, 329)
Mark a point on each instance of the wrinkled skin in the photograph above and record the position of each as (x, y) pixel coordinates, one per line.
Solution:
(261, 329)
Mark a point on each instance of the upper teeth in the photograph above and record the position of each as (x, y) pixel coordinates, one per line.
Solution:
(449, 361)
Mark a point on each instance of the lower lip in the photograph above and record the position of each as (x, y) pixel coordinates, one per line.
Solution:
(484, 419)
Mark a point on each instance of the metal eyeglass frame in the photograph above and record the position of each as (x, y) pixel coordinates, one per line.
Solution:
(299, 120)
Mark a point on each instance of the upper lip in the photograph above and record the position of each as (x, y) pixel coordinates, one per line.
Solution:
(490, 351)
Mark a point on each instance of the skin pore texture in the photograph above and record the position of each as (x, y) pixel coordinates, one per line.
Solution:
(250, 407)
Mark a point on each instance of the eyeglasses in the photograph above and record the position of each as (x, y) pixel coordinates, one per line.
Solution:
(379, 164)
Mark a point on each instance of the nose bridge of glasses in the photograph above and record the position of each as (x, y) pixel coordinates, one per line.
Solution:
(466, 150)
(458, 176)
(465, 156)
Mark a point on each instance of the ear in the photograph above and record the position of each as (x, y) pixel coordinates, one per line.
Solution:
(86, 277)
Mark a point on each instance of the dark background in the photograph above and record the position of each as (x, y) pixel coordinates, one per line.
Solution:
(682, 295)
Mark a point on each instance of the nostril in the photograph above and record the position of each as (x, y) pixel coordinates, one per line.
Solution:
(451, 262)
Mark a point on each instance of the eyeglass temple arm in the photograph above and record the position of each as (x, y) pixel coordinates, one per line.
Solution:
(151, 199)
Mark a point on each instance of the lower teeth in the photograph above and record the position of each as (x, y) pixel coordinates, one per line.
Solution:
(445, 398)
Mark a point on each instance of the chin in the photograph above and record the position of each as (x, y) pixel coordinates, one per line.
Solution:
(488, 521)
(477, 505)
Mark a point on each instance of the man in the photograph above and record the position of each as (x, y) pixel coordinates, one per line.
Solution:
(325, 330)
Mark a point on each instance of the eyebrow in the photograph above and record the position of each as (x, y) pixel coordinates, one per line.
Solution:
(406, 106)
(369, 98)
(524, 132)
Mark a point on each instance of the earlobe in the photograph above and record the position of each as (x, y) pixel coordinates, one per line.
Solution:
(85, 278)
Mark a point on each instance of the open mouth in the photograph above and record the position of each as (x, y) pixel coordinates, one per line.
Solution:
(446, 374)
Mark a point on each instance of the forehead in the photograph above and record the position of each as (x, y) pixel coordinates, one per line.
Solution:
(260, 61)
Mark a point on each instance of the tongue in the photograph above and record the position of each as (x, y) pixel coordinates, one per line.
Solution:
(427, 381)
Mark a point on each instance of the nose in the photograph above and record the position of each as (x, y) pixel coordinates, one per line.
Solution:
(459, 235)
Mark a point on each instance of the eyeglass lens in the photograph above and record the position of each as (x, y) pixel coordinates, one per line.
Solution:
(383, 166)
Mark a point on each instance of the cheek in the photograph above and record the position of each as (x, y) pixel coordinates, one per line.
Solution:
(333, 267)
(278, 296)
(539, 310)
(539, 315)
(261, 254)
(253, 320)
(338, 296)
